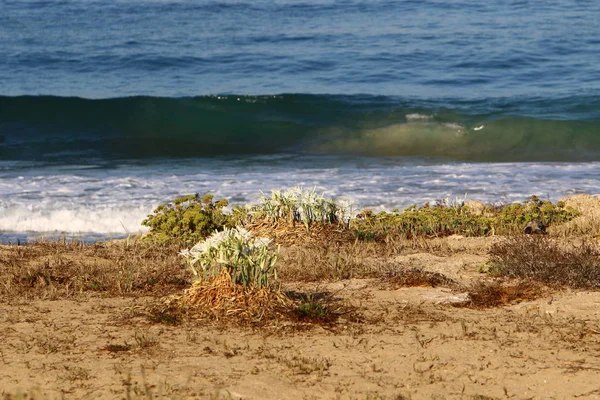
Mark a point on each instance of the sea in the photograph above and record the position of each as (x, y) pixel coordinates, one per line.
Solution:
(109, 108)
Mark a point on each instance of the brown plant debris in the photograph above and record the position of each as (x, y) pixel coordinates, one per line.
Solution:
(415, 277)
(220, 298)
(498, 293)
(288, 233)
(547, 260)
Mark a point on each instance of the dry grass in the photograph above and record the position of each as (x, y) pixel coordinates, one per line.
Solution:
(222, 299)
(331, 262)
(222, 302)
(414, 277)
(51, 270)
(499, 293)
(288, 233)
(547, 260)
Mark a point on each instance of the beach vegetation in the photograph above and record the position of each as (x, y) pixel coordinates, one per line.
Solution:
(63, 269)
(312, 310)
(297, 205)
(496, 293)
(547, 260)
(246, 259)
(459, 218)
(187, 219)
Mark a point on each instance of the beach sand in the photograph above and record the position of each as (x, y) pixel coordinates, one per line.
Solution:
(392, 342)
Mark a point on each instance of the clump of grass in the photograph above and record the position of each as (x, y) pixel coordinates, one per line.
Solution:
(458, 218)
(321, 308)
(164, 316)
(187, 219)
(145, 341)
(312, 310)
(547, 260)
(117, 348)
(247, 260)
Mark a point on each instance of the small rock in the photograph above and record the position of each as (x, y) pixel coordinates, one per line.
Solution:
(535, 227)
(476, 207)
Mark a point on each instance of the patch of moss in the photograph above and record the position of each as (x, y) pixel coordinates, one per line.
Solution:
(187, 219)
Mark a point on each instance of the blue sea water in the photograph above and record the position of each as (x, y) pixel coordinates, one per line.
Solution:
(109, 108)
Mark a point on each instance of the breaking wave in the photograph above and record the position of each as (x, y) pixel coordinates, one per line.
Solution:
(68, 129)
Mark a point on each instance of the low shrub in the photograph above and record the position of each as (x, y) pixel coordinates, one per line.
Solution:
(446, 219)
(187, 219)
(247, 260)
(425, 221)
(513, 217)
(547, 260)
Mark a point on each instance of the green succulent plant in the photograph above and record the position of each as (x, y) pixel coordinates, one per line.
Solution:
(247, 259)
(187, 219)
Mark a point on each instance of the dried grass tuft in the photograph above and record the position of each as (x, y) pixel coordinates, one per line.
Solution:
(498, 293)
(547, 260)
(220, 298)
(333, 262)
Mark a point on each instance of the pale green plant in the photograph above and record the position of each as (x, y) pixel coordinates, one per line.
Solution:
(457, 203)
(248, 260)
(306, 206)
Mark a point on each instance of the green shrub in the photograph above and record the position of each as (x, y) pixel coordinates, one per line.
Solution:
(514, 217)
(445, 219)
(426, 221)
(248, 260)
(187, 219)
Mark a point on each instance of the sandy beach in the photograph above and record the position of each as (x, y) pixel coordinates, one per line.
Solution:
(88, 321)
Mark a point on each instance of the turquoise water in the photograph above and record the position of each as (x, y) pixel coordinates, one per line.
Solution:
(107, 109)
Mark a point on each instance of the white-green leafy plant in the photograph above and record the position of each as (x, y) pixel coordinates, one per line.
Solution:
(304, 206)
(457, 204)
(248, 260)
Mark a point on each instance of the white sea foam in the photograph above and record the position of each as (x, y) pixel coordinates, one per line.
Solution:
(418, 117)
(83, 219)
